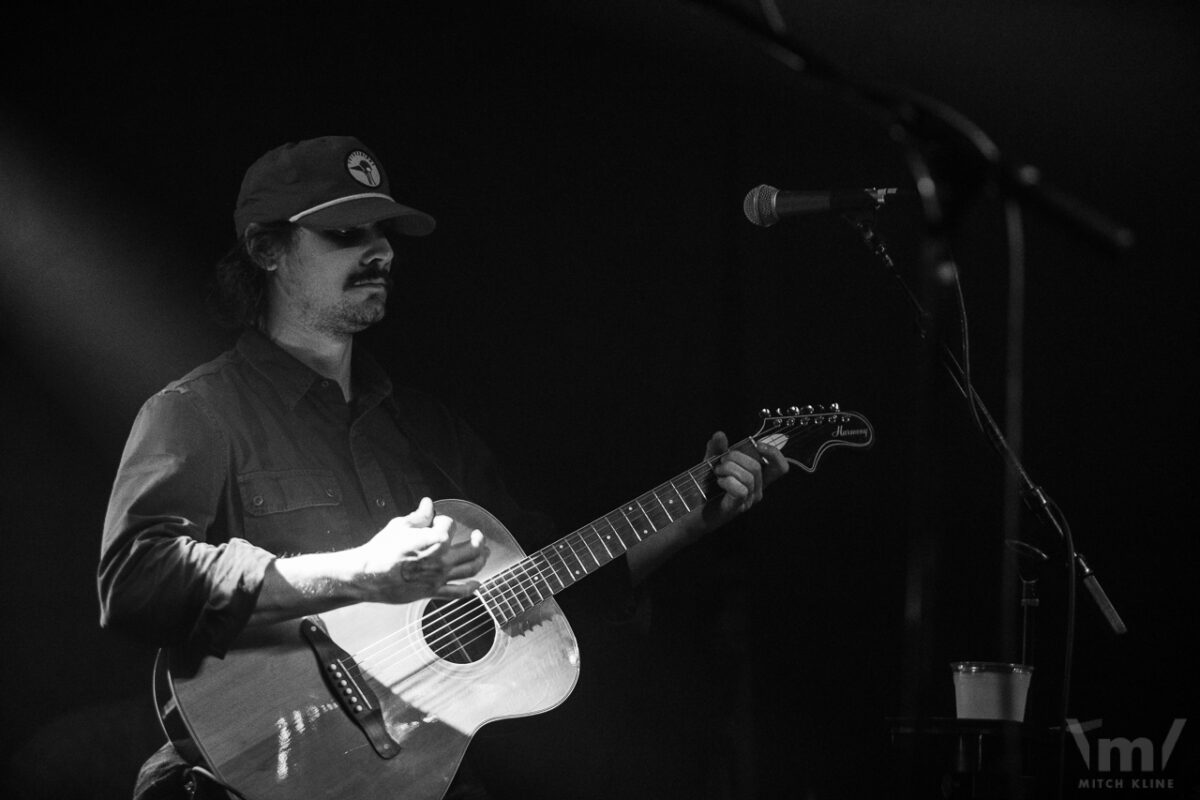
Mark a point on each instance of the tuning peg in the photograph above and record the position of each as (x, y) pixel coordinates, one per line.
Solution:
(835, 407)
(807, 410)
(766, 412)
(794, 411)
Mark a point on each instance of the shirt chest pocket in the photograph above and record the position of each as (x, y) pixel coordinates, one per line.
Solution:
(294, 511)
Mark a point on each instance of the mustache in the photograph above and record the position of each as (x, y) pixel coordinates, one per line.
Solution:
(372, 273)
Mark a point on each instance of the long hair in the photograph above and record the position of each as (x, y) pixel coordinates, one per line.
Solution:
(239, 289)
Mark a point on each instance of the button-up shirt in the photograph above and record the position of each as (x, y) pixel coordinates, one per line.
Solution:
(254, 456)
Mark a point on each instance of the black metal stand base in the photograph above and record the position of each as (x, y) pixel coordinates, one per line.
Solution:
(966, 759)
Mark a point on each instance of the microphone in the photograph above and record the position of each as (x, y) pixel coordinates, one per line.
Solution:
(765, 205)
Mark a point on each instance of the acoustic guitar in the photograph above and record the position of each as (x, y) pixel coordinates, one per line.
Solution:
(380, 701)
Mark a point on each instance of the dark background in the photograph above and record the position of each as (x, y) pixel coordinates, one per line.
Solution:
(595, 304)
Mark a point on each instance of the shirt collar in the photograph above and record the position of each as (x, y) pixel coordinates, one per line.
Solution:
(292, 378)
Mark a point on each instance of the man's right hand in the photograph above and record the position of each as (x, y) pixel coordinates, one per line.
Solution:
(412, 558)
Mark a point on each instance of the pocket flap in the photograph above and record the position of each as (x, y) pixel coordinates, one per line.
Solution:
(288, 490)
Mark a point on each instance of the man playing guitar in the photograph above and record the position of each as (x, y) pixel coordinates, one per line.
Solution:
(289, 478)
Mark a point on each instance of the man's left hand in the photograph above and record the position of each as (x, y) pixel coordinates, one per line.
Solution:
(741, 476)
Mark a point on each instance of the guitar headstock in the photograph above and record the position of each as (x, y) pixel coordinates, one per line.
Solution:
(804, 434)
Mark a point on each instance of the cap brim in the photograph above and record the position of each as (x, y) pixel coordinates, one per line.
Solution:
(407, 221)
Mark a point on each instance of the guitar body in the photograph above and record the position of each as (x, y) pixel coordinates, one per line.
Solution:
(266, 722)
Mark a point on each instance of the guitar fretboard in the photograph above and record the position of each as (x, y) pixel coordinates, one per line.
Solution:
(572, 558)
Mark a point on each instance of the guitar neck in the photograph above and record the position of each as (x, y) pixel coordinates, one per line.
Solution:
(578, 554)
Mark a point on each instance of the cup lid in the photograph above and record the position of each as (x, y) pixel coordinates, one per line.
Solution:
(988, 666)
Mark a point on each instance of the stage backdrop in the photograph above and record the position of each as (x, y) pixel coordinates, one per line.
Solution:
(595, 304)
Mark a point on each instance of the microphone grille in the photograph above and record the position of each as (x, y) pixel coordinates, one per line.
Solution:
(759, 205)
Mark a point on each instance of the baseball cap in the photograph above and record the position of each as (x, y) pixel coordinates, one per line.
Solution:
(328, 182)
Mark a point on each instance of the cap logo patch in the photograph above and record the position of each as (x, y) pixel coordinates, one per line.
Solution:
(362, 168)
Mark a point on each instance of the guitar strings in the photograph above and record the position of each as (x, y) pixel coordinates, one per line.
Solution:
(521, 578)
(508, 586)
(447, 691)
(471, 616)
(528, 577)
(533, 577)
(521, 587)
(539, 580)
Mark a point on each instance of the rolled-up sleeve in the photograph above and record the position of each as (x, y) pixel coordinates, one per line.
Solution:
(173, 571)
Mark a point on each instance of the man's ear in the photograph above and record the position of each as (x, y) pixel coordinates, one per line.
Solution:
(264, 250)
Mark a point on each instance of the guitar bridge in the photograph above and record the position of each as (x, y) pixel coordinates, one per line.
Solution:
(347, 683)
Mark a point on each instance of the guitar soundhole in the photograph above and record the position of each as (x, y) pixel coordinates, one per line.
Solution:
(460, 631)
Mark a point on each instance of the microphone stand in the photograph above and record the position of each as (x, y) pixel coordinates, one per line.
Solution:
(915, 120)
(1034, 496)
(927, 131)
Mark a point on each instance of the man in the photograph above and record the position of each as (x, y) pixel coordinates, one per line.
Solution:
(288, 477)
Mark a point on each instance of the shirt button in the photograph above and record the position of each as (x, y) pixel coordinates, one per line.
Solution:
(379, 501)
(330, 492)
(257, 500)
(324, 384)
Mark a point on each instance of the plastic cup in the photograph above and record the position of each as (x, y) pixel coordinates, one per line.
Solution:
(990, 690)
